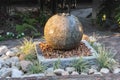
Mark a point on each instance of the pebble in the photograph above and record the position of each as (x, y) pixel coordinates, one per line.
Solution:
(116, 70)
(70, 69)
(5, 72)
(59, 72)
(3, 50)
(105, 70)
(74, 73)
(65, 73)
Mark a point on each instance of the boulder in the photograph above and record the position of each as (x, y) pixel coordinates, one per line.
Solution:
(63, 31)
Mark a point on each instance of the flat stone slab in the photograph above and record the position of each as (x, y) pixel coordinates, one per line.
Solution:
(66, 61)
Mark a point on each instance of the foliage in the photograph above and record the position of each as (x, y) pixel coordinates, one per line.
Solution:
(27, 47)
(2, 38)
(36, 68)
(104, 57)
(57, 65)
(31, 57)
(80, 65)
(106, 14)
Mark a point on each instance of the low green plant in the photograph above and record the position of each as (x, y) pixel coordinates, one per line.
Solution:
(25, 27)
(27, 46)
(2, 38)
(57, 64)
(31, 57)
(36, 68)
(105, 57)
(80, 65)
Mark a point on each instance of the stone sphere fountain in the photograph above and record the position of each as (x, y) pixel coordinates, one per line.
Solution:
(63, 31)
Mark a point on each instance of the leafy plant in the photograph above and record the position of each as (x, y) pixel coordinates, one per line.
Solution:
(36, 68)
(104, 57)
(106, 14)
(80, 65)
(57, 64)
(27, 47)
(25, 27)
(2, 38)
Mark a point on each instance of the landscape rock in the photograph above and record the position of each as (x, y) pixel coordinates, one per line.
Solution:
(92, 71)
(84, 73)
(3, 50)
(25, 65)
(74, 73)
(65, 73)
(116, 70)
(16, 73)
(50, 72)
(10, 53)
(105, 70)
(59, 71)
(2, 62)
(98, 73)
(5, 72)
(70, 69)
(12, 61)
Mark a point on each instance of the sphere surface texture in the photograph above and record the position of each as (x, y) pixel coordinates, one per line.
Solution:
(63, 31)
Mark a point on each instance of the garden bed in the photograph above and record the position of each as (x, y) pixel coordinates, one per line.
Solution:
(48, 58)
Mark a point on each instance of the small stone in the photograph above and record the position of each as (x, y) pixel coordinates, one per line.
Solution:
(11, 61)
(16, 73)
(105, 70)
(65, 73)
(92, 71)
(25, 65)
(5, 72)
(84, 73)
(116, 70)
(2, 62)
(3, 50)
(97, 73)
(58, 72)
(70, 69)
(74, 73)
(10, 53)
(49, 72)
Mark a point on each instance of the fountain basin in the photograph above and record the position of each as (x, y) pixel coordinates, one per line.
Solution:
(67, 61)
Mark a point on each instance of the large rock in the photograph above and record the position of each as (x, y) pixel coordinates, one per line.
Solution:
(63, 31)
(25, 65)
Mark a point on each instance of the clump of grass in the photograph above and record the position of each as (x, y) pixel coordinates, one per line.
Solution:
(36, 68)
(57, 64)
(80, 65)
(105, 57)
(27, 46)
(31, 57)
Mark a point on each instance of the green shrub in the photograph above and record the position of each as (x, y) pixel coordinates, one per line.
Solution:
(36, 68)
(57, 64)
(27, 47)
(105, 57)
(80, 65)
